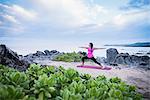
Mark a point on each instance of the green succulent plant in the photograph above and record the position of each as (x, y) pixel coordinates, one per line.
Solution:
(44, 83)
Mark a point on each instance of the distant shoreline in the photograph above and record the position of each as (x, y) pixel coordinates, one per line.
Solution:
(138, 44)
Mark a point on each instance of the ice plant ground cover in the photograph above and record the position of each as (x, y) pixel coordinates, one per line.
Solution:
(61, 84)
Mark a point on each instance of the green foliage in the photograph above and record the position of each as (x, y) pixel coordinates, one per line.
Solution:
(86, 76)
(9, 92)
(44, 87)
(71, 73)
(69, 57)
(50, 83)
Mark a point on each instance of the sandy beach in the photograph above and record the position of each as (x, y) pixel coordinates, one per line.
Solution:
(134, 76)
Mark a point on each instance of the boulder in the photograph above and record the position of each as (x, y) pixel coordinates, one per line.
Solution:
(47, 52)
(41, 56)
(114, 58)
(111, 55)
(148, 53)
(54, 52)
(135, 60)
(39, 53)
(29, 58)
(101, 59)
(123, 58)
(11, 59)
(144, 62)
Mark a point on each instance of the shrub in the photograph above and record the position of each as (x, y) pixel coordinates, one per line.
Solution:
(68, 57)
(52, 83)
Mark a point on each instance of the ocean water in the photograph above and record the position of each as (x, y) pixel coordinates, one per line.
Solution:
(24, 46)
(130, 50)
(27, 49)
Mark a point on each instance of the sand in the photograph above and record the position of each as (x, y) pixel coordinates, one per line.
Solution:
(134, 76)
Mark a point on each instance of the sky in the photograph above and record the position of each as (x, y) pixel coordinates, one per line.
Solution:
(30, 25)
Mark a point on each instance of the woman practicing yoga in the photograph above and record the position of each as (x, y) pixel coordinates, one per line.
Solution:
(90, 54)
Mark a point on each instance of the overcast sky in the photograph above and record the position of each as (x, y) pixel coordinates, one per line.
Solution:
(29, 25)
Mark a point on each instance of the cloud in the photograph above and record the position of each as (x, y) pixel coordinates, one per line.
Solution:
(10, 19)
(69, 13)
(123, 20)
(0, 23)
(53, 18)
(62, 12)
(23, 13)
(53, 15)
(96, 11)
(13, 19)
(18, 12)
(133, 25)
(136, 4)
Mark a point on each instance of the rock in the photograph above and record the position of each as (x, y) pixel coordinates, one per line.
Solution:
(40, 56)
(111, 55)
(148, 53)
(139, 53)
(113, 64)
(101, 59)
(144, 58)
(39, 53)
(114, 58)
(47, 52)
(147, 95)
(144, 62)
(29, 58)
(54, 52)
(140, 60)
(11, 59)
(123, 58)
(135, 60)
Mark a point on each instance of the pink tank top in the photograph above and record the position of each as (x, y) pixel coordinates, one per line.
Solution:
(90, 53)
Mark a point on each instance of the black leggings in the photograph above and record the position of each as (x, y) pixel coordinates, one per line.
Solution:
(83, 58)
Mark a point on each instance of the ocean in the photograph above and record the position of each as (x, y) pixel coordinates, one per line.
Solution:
(23, 50)
(131, 50)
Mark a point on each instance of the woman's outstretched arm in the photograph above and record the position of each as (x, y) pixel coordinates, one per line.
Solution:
(98, 48)
(84, 47)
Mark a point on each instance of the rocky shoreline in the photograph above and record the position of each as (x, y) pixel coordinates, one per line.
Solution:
(132, 69)
(40, 56)
(114, 58)
(12, 59)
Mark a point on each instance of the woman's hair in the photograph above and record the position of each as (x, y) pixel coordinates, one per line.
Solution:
(91, 45)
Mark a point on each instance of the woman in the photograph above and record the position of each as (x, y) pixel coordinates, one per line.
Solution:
(90, 54)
